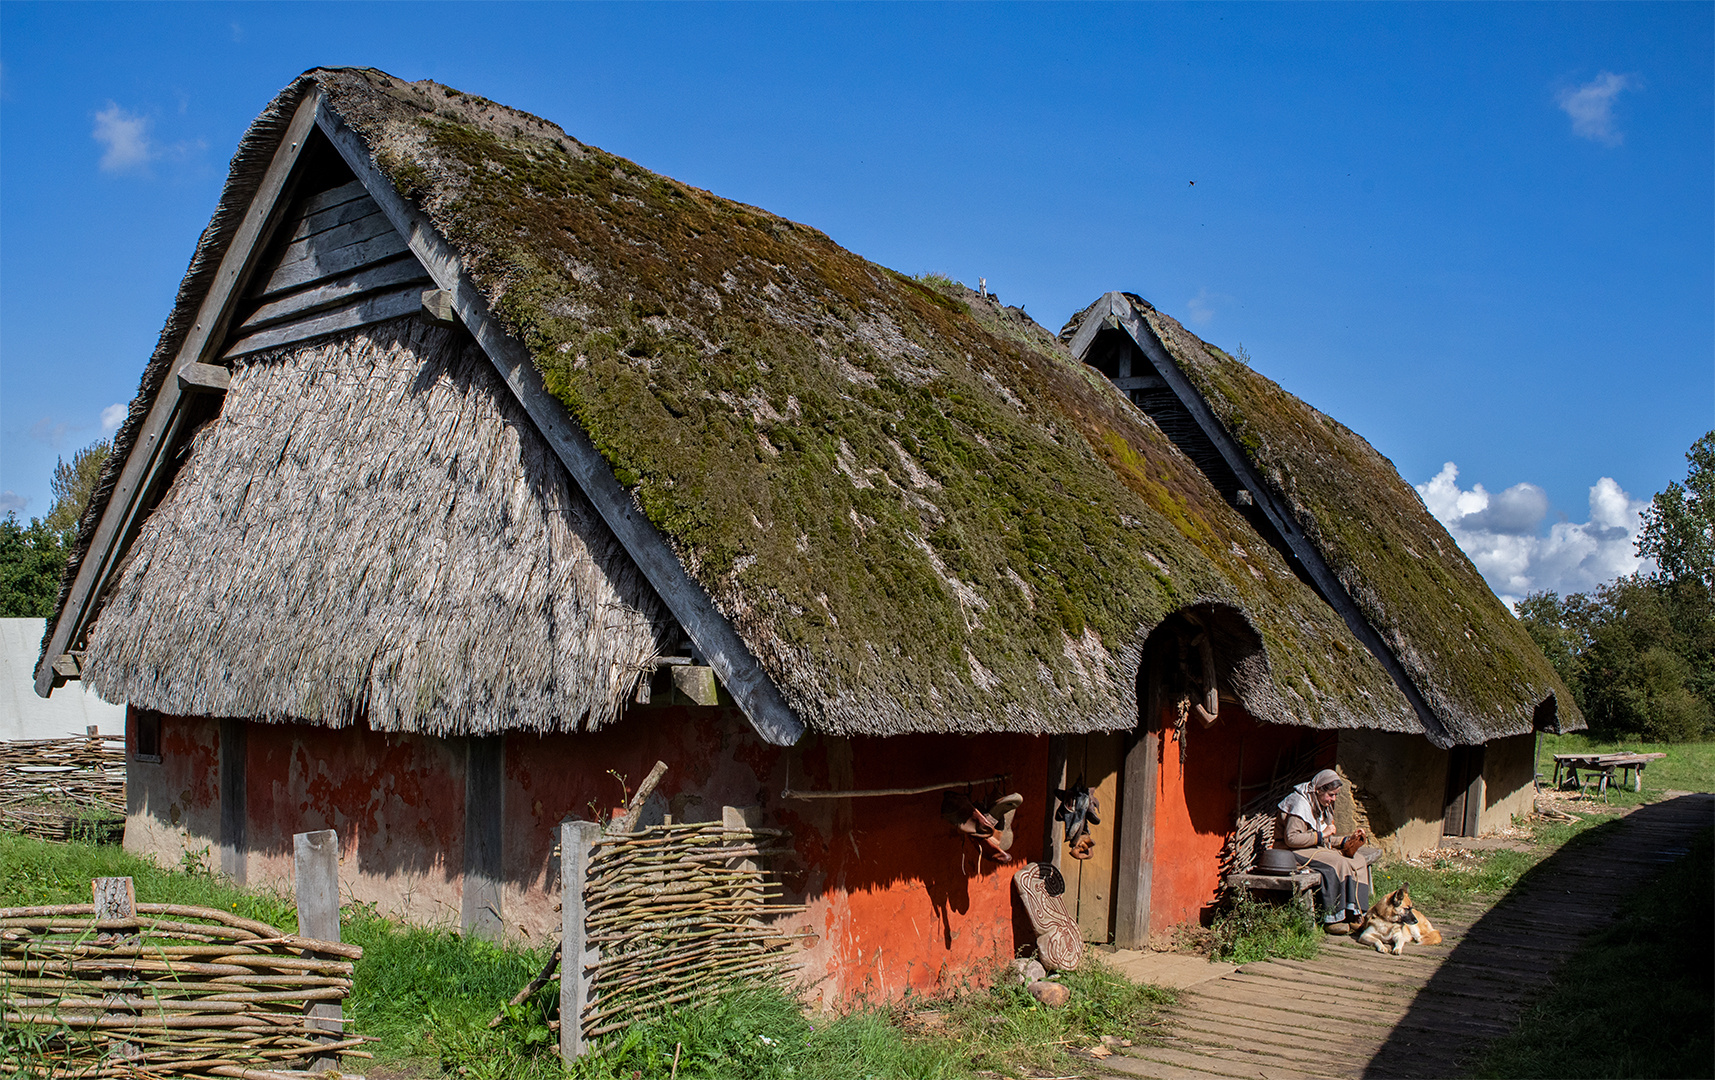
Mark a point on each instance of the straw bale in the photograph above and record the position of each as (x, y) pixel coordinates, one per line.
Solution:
(373, 528)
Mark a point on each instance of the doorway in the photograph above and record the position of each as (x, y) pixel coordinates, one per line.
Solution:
(1091, 883)
(1464, 791)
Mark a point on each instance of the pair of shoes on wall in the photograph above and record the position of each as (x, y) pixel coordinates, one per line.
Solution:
(991, 829)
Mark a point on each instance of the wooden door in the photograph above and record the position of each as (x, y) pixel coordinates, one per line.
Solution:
(1464, 791)
(1090, 883)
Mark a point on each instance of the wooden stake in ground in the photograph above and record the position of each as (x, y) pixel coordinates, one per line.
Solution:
(315, 867)
(634, 809)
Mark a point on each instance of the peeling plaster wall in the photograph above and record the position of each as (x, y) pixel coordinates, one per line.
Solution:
(1509, 781)
(896, 898)
(1400, 782)
(173, 806)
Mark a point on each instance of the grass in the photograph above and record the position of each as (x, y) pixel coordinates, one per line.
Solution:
(1251, 930)
(1636, 1000)
(427, 996)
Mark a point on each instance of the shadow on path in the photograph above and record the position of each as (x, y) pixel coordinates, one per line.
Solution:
(1510, 954)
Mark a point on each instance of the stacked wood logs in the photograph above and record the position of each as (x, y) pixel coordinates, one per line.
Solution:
(169, 991)
(61, 789)
(676, 912)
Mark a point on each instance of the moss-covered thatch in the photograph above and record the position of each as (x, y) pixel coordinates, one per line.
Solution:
(919, 516)
(1470, 658)
(373, 528)
(918, 511)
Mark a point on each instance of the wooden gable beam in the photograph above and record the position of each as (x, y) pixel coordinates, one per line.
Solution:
(709, 630)
(1116, 311)
(148, 454)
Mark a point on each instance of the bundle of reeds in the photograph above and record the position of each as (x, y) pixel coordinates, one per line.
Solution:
(61, 789)
(171, 991)
(677, 911)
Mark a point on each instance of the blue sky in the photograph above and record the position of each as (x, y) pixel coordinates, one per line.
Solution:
(1475, 234)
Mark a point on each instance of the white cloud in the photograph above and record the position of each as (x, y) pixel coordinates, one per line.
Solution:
(126, 137)
(49, 433)
(12, 502)
(1591, 107)
(1200, 309)
(1501, 535)
(112, 417)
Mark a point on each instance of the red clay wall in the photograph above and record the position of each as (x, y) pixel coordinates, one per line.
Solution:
(897, 900)
(1196, 805)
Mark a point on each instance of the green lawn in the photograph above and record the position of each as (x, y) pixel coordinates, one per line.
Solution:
(427, 995)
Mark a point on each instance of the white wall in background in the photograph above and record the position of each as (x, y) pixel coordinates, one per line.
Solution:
(23, 715)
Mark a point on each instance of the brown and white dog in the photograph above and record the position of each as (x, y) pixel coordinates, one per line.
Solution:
(1393, 920)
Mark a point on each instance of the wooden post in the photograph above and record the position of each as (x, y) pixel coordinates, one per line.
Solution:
(484, 836)
(115, 898)
(577, 839)
(234, 798)
(315, 867)
(1052, 827)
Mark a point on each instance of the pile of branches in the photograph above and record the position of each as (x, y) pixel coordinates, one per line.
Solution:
(677, 912)
(63, 789)
(171, 991)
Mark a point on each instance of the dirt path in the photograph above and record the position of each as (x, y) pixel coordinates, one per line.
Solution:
(1354, 1013)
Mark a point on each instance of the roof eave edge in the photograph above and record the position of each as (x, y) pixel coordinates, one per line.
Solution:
(714, 635)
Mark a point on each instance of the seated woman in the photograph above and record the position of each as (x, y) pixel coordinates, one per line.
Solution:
(1306, 828)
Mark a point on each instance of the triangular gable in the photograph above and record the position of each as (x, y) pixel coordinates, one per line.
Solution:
(342, 257)
(1474, 678)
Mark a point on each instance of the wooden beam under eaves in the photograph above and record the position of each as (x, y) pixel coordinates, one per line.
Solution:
(715, 638)
(150, 451)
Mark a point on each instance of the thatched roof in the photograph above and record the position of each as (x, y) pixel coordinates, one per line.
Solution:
(916, 509)
(372, 527)
(1462, 650)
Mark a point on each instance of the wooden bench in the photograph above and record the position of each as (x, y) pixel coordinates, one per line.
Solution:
(1296, 882)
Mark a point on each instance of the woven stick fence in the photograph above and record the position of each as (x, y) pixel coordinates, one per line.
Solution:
(169, 991)
(676, 912)
(60, 789)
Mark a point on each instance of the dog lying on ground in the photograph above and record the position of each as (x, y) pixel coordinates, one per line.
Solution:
(1393, 920)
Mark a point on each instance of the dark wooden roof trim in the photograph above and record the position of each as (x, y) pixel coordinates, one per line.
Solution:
(160, 428)
(709, 630)
(1115, 310)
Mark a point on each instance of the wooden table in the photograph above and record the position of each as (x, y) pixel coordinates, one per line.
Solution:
(1604, 765)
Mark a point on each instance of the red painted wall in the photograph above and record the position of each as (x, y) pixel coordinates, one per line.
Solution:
(1196, 804)
(896, 898)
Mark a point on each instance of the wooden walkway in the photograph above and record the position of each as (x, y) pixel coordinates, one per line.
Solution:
(1352, 1012)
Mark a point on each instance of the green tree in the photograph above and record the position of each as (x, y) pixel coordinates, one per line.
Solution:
(1679, 525)
(32, 560)
(33, 557)
(73, 483)
(1639, 652)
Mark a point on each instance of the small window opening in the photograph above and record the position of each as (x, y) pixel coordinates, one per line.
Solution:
(146, 736)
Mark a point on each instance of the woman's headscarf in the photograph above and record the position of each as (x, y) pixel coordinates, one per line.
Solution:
(1301, 803)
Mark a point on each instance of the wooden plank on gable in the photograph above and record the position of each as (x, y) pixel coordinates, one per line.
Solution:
(715, 637)
(154, 435)
(323, 200)
(372, 309)
(332, 218)
(338, 251)
(404, 270)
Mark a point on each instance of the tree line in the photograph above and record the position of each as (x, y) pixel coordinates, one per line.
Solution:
(1639, 652)
(33, 557)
